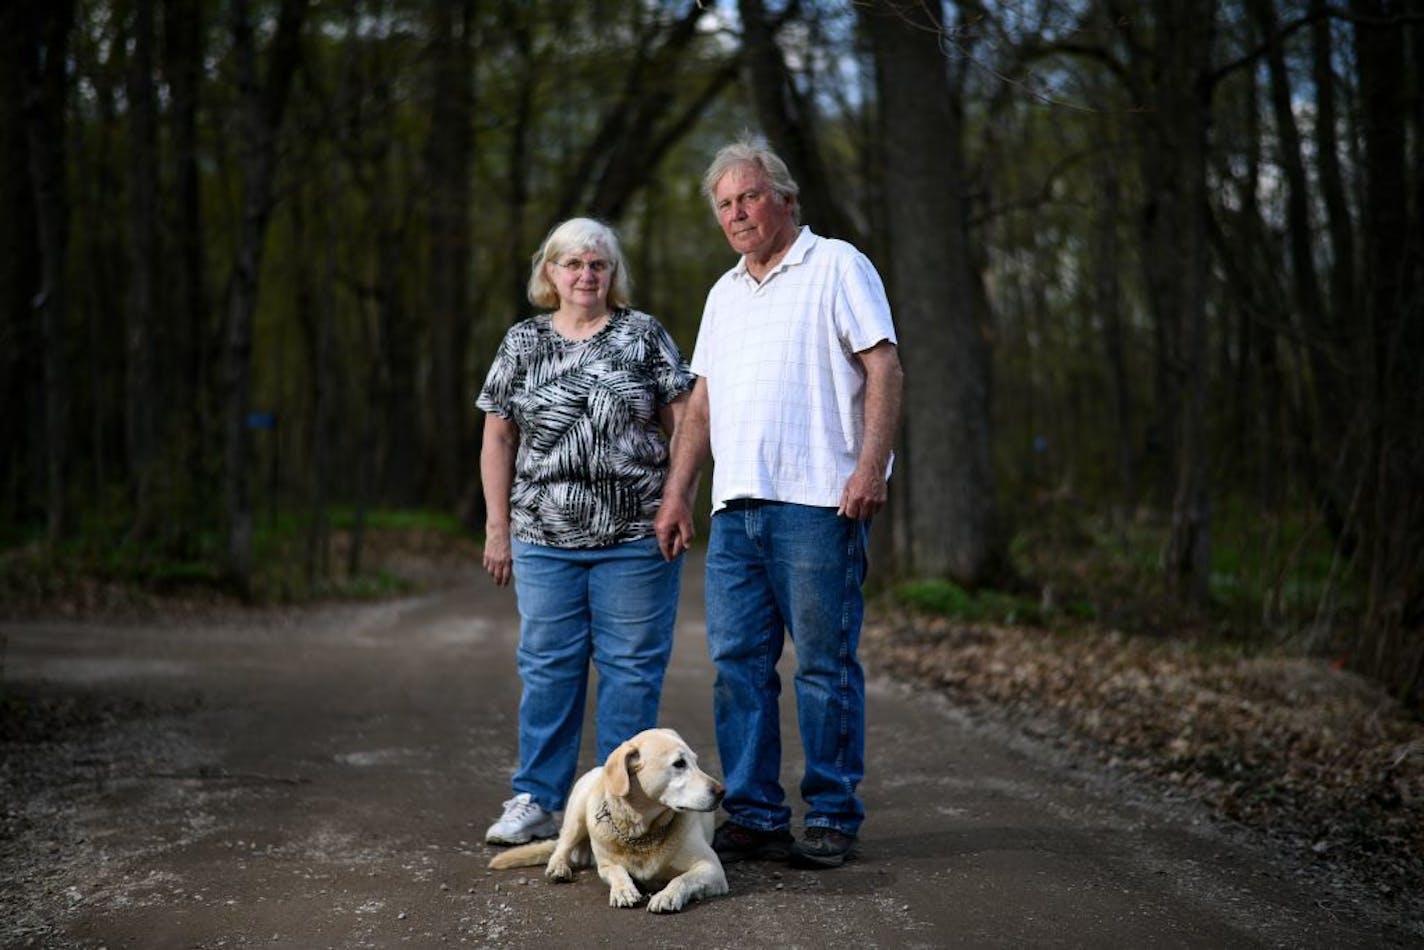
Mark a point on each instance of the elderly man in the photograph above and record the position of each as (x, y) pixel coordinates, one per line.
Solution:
(797, 399)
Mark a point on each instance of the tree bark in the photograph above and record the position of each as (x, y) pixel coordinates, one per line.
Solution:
(261, 106)
(652, 112)
(1169, 72)
(1391, 359)
(447, 163)
(144, 406)
(48, 27)
(939, 304)
(790, 122)
(21, 369)
(1107, 294)
(185, 270)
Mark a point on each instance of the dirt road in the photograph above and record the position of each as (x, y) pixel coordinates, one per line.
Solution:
(322, 778)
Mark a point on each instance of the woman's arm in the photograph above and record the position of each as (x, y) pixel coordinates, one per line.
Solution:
(497, 452)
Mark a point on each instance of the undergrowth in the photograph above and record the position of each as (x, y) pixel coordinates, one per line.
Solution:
(105, 568)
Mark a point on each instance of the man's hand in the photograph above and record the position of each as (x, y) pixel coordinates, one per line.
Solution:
(673, 526)
(864, 495)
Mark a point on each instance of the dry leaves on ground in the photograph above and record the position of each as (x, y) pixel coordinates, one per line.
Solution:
(1314, 756)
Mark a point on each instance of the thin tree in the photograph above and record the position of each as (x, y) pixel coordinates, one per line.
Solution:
(144, 407)
(262, 101)
(45, 92)
(447, 163)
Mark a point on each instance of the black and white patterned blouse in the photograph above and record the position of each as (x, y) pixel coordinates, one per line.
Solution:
(591, 461)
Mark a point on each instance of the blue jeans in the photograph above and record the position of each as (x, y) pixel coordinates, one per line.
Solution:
(772, 568)
(615, 605)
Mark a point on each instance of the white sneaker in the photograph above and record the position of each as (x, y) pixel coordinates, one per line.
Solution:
(523, 820)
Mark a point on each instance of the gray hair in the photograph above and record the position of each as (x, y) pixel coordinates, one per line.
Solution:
(751, 150)
(577, 236)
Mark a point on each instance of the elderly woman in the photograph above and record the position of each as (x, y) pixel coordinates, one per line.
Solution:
(573, 462)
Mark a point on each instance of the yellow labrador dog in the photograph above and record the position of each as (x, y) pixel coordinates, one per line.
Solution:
(643, 818)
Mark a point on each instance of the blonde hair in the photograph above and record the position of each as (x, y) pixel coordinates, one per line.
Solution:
(751, 149)
(577, 236)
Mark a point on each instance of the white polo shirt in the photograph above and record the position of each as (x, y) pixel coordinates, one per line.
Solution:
(787, 394)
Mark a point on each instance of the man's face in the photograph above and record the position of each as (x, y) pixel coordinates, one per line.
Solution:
(756, 220)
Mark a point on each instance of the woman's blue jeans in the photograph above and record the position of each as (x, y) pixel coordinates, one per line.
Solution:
(614, 605)
(774, 568)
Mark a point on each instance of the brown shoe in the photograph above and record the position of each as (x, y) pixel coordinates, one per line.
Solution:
(734, 842)
(822, 848)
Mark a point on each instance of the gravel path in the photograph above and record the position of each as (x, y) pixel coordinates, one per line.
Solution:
(322, 778)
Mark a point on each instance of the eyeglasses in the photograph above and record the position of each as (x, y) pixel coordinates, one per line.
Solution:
(575, 266)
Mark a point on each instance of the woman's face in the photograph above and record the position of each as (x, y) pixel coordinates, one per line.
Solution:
(581, 279)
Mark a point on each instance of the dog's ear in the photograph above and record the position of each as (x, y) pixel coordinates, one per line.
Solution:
(618, 768)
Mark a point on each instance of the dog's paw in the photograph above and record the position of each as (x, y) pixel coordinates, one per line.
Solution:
(558, 870)
(624, 895)
(669, 900)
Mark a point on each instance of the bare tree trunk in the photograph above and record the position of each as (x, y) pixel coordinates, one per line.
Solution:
(144, 408)
(517, 193)
(318, 312)
(939, 304)
(261, 106)
(789, 120)
(1259, 349)
(1107, 261)
(46, 90)
(447, 162)
(650, 115)
(1327, 149)
(185, 271)
(21, 369)
(1169, 71)
(1391, 364)
(1309, 298)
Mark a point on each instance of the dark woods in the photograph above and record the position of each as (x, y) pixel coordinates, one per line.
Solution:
(1153, 263)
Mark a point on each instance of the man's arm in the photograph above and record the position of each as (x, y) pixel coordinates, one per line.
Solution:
(691, 444)
(865, 493)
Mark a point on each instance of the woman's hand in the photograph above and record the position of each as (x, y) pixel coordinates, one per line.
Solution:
(498, 559)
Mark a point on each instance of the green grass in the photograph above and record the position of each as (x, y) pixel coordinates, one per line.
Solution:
(949, 599)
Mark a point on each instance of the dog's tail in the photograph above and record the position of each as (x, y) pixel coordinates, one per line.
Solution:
(524, 856)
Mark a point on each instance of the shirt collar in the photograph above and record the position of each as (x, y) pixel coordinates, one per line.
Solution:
(795, 254)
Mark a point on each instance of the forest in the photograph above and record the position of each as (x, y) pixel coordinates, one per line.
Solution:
(1157, 270)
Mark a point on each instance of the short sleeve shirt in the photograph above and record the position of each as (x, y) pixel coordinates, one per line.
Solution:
(591, 460)
(786, 391)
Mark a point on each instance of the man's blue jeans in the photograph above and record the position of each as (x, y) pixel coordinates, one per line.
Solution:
(772, 568)
(615, 605)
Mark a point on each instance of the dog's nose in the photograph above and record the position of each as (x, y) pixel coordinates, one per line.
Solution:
(719, 791)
